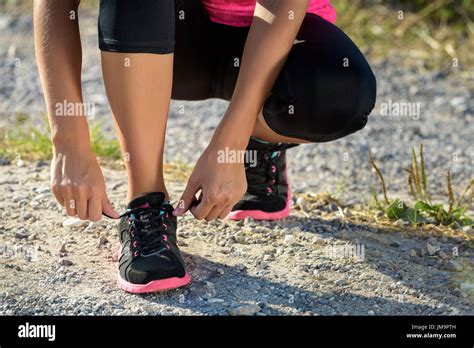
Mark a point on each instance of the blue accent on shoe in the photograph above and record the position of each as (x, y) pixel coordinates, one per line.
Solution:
(261, 141)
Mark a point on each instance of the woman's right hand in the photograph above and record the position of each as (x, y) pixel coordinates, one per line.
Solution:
(78, 184)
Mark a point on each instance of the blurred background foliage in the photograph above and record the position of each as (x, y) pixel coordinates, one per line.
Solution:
(430, 34)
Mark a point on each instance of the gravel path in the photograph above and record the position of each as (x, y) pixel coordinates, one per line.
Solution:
(302, 265)
(315, 263)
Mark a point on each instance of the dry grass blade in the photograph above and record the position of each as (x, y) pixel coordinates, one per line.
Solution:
(425, 12)
(440, 215)
(379, 174)
(410, 184)
(324, 197)
(450, 192)
(415, 173)
(423, 173)
(469, 186)
(374, 195)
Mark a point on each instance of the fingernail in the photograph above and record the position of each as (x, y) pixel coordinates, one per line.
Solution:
(176, 212)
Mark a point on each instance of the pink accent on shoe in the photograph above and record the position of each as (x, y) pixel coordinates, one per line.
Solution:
(165, 237)
(262, 215)
(135, 244)
(145, 205)
(153, 286)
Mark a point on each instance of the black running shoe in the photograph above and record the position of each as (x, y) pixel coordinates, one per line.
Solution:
(150, 259)
(268, 193)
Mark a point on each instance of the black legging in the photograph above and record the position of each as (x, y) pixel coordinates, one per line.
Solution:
(325, 91)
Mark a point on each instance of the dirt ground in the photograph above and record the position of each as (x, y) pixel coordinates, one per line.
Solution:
(319, 261)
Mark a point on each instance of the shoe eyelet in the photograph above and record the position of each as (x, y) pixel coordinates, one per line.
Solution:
(135, 244)
(135, 253)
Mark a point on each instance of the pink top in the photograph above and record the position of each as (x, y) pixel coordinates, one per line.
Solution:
(239, 13)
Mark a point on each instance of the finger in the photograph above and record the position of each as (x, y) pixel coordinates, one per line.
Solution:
(225, 212)
(187, 198)
(214, 213)
(57, 192)
(95, 207)
(81, 197)
(55, 183)
(69, 202)
(107, 207)
(202, 209)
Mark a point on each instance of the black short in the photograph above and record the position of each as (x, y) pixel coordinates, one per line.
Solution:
(325, 90)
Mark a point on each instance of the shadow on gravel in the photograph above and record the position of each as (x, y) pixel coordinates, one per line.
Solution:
(236, 287)
(388, 252)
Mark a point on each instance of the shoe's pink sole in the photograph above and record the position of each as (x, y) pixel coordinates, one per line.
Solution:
(155, 285)
(262, 215)
(259, 214)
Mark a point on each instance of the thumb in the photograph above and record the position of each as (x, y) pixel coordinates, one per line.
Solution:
(187, 199)
(108, 210)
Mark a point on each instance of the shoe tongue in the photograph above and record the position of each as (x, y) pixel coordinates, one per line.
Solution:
(151, 199)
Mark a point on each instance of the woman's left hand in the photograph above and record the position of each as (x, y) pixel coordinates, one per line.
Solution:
(222, 183)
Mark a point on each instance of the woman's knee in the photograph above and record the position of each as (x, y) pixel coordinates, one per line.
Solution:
(353, 104)
(326, 89)
(365, 99)
(322, 102)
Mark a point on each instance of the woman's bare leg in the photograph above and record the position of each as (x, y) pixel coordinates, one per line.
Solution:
(138, 87)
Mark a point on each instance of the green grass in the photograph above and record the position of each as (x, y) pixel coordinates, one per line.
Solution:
(424, 210)
(33, 142)
(434, 34)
